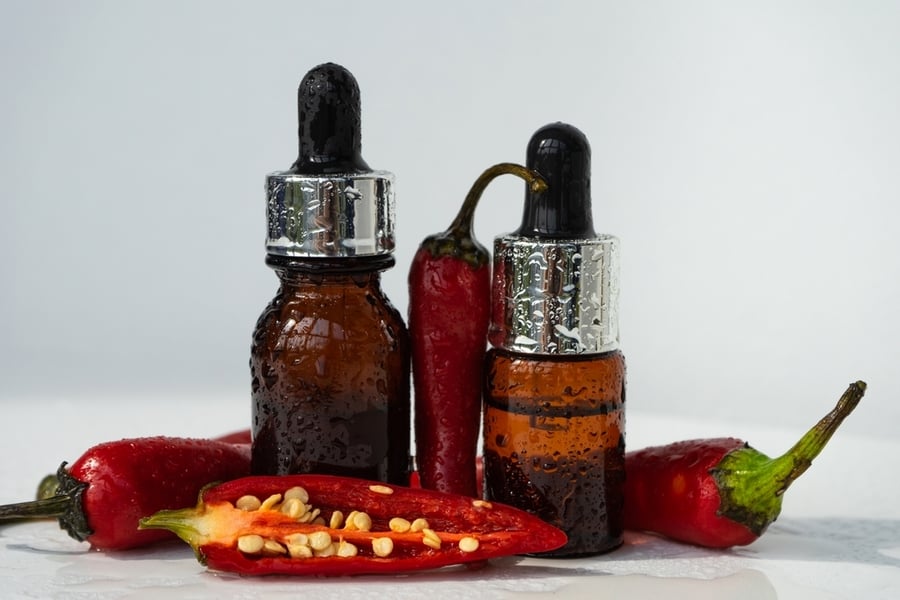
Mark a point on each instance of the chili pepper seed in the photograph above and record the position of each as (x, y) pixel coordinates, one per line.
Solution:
(270, 502)
(431, 539)
(310, 515)
(251, 544)
(362, 522)
(248, 503)
(418, 525)
(297, 539)
(273, 548)
(299, 551)
(399, 525)
(297, 492)
(346, 549)
(293, 508)
(382, 547)
(468, 544)
(337, 520)
(319, 540)
(349, 524)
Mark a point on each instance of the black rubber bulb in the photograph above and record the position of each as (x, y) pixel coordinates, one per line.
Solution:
(562, 155)
(330, 131)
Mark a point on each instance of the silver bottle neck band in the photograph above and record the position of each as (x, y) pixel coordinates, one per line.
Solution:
(331, 216)
(555, 296)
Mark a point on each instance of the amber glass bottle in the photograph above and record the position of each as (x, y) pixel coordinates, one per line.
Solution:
(330, 358)
(554, 416)
(330, 370)
(555, 442)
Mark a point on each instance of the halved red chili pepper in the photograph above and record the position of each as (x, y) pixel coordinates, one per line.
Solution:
(720, 492)
(449, 312)
(328, 525)
(104, 494)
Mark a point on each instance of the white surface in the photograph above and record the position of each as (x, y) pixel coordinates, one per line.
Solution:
(745, 153)
(838, 536)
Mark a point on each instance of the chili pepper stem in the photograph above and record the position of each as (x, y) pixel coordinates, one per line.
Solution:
(182, 522)
(48, 487)
(751, 485)
(465, 218)
(66, 505)
(46, 508)
(458, 240)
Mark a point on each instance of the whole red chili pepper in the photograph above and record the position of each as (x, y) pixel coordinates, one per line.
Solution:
(720, 492)
(104, 494)
(328, 525)
(241, 436)
(449, 312)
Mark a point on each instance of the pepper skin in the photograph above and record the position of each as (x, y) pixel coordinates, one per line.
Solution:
(720, 492)
(414, 481)
(459, 529)
(104, 494)
(449, 313)
(240, 436)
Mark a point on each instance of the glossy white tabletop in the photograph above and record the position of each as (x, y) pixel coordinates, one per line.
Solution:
(838, 535)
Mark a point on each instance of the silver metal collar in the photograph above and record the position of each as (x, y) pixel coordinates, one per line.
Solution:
(344, 215)
(556, 296)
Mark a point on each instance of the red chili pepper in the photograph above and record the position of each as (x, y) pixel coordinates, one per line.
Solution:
(414, 481)
(104, 494)
(720, 492)
(328, 525)
(243, 436)
(449, 312)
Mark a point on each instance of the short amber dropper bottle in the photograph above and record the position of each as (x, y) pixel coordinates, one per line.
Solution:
(330, 358)
(554, 415)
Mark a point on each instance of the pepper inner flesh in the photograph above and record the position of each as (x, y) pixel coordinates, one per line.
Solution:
(288, 525)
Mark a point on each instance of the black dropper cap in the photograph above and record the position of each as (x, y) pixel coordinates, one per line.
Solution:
(330, 130)
(329, 204)
(562, 155)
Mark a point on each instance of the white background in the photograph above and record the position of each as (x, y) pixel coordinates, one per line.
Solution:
(747, 155)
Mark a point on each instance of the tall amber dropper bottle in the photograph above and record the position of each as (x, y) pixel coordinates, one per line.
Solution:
(330, 354)
(554, 415)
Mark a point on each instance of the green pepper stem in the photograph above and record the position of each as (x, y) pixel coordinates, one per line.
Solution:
(792, 464)
(462, 224)
(178, 521)
(751, 484)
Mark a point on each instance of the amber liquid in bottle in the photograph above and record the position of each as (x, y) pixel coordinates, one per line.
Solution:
(554, 443)
(330, 379)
